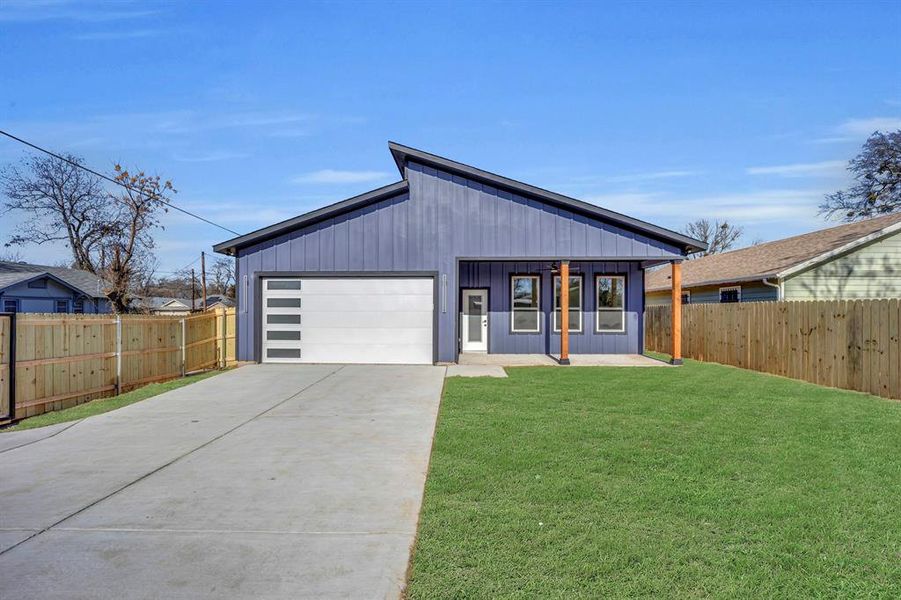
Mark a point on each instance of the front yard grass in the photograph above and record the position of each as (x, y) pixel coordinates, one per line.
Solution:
(702, 481)
(96, 407)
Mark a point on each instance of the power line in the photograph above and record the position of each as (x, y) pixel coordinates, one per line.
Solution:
(111, 180)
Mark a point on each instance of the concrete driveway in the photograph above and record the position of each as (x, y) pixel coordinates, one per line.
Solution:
(269, 481)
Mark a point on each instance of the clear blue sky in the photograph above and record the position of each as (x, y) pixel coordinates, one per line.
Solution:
(263, 110)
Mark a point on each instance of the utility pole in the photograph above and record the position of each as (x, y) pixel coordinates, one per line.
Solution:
(203, 277)
(193, 290)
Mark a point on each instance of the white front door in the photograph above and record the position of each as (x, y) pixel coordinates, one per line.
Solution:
(475, 321)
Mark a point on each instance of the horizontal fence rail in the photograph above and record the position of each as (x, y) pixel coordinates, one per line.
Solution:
(850, 344)
(64, 359)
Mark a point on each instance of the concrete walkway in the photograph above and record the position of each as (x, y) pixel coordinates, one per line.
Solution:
(270, 481)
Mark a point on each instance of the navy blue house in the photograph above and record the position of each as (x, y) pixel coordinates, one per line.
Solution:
(31, 288)
(450, 259)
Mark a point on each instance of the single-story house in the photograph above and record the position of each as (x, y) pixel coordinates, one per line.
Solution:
(160, 305)
(41, 289)
(855, 260)
(216, 301)
(449, 259)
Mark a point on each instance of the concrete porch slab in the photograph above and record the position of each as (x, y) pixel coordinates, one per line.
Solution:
(576, 360)
(475, 371)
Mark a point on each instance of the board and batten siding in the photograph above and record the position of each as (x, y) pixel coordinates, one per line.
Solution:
(872, 271)
(441, 218)
(496, 278)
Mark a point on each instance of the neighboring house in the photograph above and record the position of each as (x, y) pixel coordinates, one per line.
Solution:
(449, 259)
(216, 301)
(158, 305)
(42, 289)
(856, 260)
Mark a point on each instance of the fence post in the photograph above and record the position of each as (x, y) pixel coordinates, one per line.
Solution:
(118, 354)
(184, 359)
(11, 365)
(220, 317)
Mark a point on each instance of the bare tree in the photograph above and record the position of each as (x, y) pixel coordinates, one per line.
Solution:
(11, 256)
(877, 181)
(719, 236)
(126, 252)
(63, 203)
(110, 234)
(222, 277)
(177, 285)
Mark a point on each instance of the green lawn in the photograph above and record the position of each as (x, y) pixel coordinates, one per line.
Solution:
(103, 405)
(702, 481)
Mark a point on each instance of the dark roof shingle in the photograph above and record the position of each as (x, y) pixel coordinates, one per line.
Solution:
(89, 284)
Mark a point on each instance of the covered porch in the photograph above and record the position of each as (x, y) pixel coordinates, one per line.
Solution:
(511, 312)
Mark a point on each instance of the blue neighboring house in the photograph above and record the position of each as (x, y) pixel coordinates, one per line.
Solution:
(450, 259)
(42, 289)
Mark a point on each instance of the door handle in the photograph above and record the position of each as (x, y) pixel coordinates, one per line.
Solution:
(484, 321)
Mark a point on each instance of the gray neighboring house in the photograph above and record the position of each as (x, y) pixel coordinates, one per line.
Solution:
(41, 289)
(851, 261)
(449, 259)
(161, 305)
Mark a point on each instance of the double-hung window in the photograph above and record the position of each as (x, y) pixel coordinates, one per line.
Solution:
(78, 306)
(61, 306)
(611, 303)
(525, 316)
(730, 294)
(575, 303)
(10, 306)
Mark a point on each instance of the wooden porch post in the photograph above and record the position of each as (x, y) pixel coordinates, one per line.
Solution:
(677, 312)
(564, 312)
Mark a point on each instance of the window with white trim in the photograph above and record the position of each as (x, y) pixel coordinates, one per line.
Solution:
(525, 313)
(730, 294)
(610, 292)
(575, 303)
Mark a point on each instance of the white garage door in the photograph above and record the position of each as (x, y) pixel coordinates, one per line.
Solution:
(348, 320)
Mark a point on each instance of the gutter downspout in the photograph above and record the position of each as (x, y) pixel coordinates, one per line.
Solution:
(780, 292)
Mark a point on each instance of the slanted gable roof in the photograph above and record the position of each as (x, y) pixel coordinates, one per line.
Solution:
(778, 258)
(320, 214)
(403, 154)
(14, 273)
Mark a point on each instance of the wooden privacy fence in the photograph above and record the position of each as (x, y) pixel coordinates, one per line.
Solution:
(64, 359)
(850, 344)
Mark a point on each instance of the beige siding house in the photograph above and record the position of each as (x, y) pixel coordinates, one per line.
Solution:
(856, 260)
